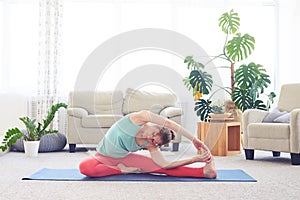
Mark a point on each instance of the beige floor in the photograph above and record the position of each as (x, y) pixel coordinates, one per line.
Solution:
(277, 179)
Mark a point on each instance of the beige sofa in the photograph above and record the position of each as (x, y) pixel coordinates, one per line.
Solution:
(91, 114)
(276, 131)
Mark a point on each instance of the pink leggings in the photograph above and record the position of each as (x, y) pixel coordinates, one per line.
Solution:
(100, 165)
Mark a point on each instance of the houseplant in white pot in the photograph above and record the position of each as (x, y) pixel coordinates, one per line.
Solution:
(33, 133)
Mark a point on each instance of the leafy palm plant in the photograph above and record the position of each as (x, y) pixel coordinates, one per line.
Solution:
(34, 130)
(247, 82)
(251, 81)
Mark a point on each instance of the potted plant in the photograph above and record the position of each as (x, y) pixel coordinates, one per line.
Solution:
(248, 82)
(33, 133)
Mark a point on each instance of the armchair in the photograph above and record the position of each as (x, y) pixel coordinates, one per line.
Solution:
(276, 137)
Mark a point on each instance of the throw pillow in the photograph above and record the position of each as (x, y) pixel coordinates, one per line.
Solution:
(283, 119)
(273, 114)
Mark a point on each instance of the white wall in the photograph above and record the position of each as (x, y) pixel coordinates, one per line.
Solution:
(289, 42)
(12, 106)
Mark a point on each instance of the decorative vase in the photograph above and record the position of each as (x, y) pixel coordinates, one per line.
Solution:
(31, 148)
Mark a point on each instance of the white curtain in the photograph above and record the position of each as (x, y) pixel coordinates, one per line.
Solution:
(50, 25)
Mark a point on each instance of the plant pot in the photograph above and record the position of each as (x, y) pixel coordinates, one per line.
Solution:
(219, 116)
(31, 148)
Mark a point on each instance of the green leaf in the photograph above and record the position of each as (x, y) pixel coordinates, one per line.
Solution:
(241, 98)
(245, 75)
(229, 22)
(271, 97)
(250, 81)
(203, 108)
(51, 114)
(201, 81)
(186, 82)
(11, 137)
(240, 47)
(192, 64)
(259, 104)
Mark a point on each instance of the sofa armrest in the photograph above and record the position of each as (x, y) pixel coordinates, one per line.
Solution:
(251, 116)
(295, 131)
(170, 112)
(77, 112)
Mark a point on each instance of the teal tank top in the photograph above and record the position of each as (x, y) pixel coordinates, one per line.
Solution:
(119, 140)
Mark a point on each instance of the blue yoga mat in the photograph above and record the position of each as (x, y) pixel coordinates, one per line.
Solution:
(47, 174)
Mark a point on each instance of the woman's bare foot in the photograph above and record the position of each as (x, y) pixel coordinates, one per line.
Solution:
(128, 170)
(210, 170)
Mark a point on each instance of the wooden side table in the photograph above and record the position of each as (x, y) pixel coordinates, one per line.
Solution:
(222, 138)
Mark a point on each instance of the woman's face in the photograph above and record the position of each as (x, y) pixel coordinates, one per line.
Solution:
(154, 136)
(156, 140)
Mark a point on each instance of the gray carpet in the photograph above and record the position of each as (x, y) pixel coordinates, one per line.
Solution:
(276, 179)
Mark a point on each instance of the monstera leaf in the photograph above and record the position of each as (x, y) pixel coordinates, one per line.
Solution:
(242, 98)
(263, 79)
(229, 22)
(203, 108)
(246, 75)
(252, 75)
(240, 47)
(259, 104)
(251, 81)
(192, 64)
(201, 81)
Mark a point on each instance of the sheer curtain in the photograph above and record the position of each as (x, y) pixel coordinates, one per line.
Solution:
(50, 13)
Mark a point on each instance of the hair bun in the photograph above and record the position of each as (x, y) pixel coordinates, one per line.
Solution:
(172, 134)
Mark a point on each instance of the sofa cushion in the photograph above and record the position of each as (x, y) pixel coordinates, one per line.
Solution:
(100, 121)
(170, 112)
(269, 131)
(77, 112)
(136, 100)
(97, 102)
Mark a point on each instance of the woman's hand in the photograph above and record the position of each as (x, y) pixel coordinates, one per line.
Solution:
(202, 149)
(199, 145)
(205, 156)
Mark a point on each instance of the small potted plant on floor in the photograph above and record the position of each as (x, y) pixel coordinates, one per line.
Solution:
(33, 133)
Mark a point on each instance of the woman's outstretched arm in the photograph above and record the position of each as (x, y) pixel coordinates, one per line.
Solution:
(158, 158)
(143, 117)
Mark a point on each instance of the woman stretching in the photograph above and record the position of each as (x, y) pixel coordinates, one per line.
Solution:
(116, 151)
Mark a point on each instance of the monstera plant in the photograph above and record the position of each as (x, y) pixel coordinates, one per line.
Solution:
(248, 82)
